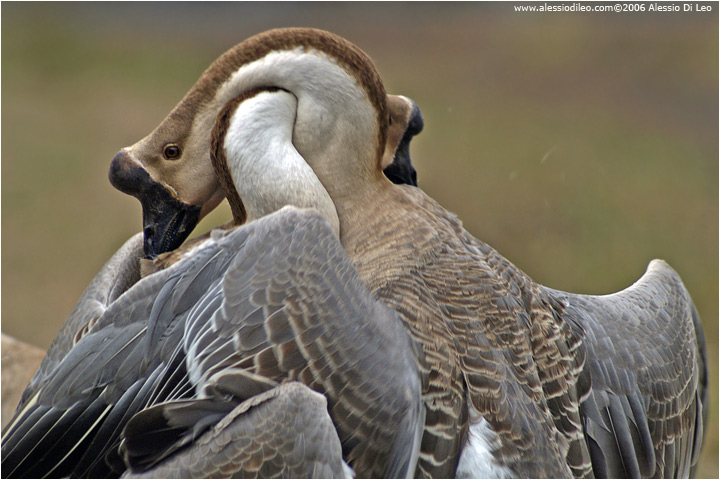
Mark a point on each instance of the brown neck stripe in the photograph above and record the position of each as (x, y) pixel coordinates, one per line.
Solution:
(354, 60)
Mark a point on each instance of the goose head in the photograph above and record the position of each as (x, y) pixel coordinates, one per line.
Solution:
(339, 128)
(405, 122)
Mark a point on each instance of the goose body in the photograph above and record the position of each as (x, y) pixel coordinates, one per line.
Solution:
(174, 335)
(502, 368)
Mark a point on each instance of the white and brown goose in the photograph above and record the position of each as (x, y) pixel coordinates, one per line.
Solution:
(549, 383)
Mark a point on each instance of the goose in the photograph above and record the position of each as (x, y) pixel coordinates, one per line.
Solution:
(533, 381)
(107, 300)
(503, 371)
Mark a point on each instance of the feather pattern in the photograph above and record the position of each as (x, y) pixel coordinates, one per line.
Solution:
(480, 321)
(190, 345)
(259, 438)
(647, 366)
(550, 384)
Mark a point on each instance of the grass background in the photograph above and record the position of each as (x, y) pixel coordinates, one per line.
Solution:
(581, 146)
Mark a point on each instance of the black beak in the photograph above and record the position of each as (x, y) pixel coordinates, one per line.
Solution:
(167, 221)
(401, 170)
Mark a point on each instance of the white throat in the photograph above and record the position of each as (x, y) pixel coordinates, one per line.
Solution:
(267, 170)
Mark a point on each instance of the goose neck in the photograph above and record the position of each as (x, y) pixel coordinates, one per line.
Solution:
(266, 169)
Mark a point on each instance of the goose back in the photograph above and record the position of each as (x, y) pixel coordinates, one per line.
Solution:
(494, 346)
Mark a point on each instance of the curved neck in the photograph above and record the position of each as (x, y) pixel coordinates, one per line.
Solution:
(267, 171)
(336, 126)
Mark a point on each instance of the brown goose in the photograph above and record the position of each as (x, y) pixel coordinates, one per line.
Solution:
(515, 351)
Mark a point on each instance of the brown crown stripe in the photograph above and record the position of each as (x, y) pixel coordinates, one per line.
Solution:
(356, 62)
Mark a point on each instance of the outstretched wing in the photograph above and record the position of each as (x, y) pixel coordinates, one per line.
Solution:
(646, 365)
(285, 432)
(274, 300)
(115, 277)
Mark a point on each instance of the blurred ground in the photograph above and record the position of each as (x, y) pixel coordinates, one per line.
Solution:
(580, 146)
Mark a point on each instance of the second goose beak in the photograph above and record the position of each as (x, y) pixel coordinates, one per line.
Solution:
(401, 170)
(167, 221)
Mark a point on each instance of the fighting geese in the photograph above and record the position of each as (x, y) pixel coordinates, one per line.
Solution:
(501, 353)
(478, 366)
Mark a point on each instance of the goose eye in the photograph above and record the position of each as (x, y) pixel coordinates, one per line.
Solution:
(171, 152)
(389, 120)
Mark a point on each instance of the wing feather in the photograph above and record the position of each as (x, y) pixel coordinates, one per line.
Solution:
(283, 433)
(645, 362)
(114, 278)
(269, 302)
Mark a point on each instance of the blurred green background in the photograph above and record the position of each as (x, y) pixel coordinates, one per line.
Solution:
(580, 146)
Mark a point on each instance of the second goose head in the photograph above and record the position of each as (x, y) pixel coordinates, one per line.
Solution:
(405, 122)
(339, 129)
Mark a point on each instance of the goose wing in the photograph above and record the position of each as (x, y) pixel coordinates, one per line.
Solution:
(646, 368)
(76, 414)
(285, 432)
(272, 301)
(114, 278)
